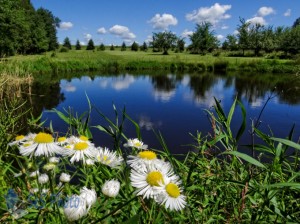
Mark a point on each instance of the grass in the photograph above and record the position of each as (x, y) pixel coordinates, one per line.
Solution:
(221, 184)
(116, 61)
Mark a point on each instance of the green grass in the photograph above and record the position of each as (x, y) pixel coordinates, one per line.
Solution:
(116, 61)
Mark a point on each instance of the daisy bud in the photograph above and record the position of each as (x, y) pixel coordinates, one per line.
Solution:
(75, 208)
(43, 178)
(65, 178)
(89, 196)
(111, 188)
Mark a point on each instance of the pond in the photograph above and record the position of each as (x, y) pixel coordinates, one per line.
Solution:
(173, 104)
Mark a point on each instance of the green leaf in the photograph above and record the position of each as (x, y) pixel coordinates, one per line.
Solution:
(246, 157)
(62, 116)
(283, 184)
(230, 114)
(243, 125)
(287, 142)
(132, 220)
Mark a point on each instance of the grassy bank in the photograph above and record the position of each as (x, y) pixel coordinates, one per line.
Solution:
(119, 61)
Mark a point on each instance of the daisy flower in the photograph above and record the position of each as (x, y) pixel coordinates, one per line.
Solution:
(89, 196)
(170, 194)
(34, 173)
(75, 208)
(106, 157)
(54, 160)
(41, 145)
(65, 178)
(20, 139)
(142, 159)
(43, 178)
(80, 149)
(111, 188)
(145, 180)
(135, 143)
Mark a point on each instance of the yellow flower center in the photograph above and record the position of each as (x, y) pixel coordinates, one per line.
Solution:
(172, 190)
(61, 139)
(27, 144)
(43, 138)
(68, 146)
(137, 144)
(154, 177)
(147, 155)
(83, 138)
(80, 146)
(20, 137)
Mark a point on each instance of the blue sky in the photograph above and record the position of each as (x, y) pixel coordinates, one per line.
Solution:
(115, 21)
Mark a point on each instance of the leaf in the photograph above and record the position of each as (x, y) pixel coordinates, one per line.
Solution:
(243, 125)
(246, 157)
(287, 142)
(230, 114)
(62, 116)
(283, 184)
(132, 220)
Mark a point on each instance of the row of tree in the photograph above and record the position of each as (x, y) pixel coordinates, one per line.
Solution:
(24, 30)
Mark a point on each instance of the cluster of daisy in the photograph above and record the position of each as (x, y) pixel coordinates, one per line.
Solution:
(154, 178)
(77, 148)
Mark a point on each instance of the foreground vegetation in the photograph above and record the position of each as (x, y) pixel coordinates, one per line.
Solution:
(215, 181)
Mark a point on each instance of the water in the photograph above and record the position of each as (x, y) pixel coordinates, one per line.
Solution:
(173, 104)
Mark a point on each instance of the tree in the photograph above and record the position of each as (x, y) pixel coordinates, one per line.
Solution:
(243, 35)
(78, 46)
(123, 47)
(296, 23)
(203, 39)
(255, 33)
(67, 43)
(144, 47)
(231, 43)
(163, 41)
(112, 47)
(102, 47)
(134, 46)
(180, 44)
(51, 22)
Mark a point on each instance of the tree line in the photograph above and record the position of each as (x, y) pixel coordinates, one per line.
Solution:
(24, 30)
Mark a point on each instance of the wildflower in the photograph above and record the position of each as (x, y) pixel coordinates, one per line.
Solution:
(41, 144)
(111, 188)
(75, 208)
(54, 159)
(34, 173)
(49, 166)
(135, 143)
(89, 196)
(65, 178)
(89, 162)
(142, 159)
(147, 179)
(79, 148)
(20, 139)
(108, 158)
(43, 178)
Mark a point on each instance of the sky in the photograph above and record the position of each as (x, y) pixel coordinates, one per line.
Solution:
(118, 21)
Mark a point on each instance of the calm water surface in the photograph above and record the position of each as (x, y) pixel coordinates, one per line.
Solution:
(175, 104)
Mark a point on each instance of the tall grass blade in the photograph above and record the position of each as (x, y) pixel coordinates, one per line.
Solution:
(247, 158)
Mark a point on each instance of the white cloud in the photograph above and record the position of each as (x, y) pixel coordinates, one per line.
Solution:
(187, 33)
(69, 88)
(121, 83)
(213, 14)
(220, 37)
(65, 25)
(265, 11)
(224, 27)
(162, 22)
(288, 13)
(257, 20)
(101, 30)
(236, 32)
(123, 32)
(87, 36)
(149, 39)
(163, 95)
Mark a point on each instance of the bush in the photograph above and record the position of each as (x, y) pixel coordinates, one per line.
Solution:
(64, 49)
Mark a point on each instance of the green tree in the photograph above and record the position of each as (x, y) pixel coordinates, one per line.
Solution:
(180, 44)
(163, 41)
(50, 22)
(256, 41)
(123, 47)
(78, 45)
(243, 35)
(134, 46)
(296, 23)
(203, 39)
(231, 43)
(144, 47)
(102, 47)
(112, 47)
(90, 45)
(67, 43)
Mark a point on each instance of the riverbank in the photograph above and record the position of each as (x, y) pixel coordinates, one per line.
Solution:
(120, 61)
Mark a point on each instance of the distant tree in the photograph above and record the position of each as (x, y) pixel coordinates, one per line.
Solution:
(78, 46)
(231, 43)
(102, 47)
(163, 41)
(203, 39)
(90, 45)
(112, 47)
(123, 47)
(67, 43)
(180, 44)
(296, 23)
(134, 46)
(256, 37)
(144, 47)
(243, 35)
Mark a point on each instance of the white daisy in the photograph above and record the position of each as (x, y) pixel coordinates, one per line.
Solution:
(145, 180)
(89, 196)
(34, 173)
(111, 188)
(109, 158)
(75, 208)
(142, 159)
(65, 178)
(43, 178)
(80, 149)
(89, 162)
(170, 194)
(41, 145)
(135, 143)
(20, 139)
(54, 159)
